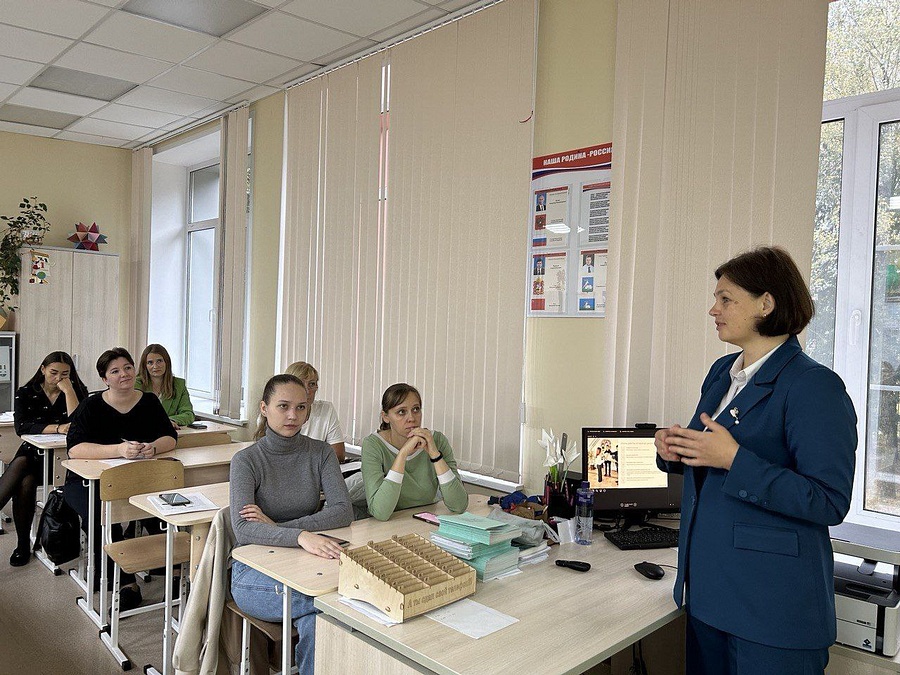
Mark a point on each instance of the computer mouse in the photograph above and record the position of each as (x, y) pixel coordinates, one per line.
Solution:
(650, 570)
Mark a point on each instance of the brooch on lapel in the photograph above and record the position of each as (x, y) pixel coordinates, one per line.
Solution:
(734, 412)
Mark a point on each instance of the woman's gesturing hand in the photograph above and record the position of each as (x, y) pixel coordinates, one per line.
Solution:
(714, 447)
(428, 439)
(662, 440)
(65, 386)
(255, 514)
(317, 545)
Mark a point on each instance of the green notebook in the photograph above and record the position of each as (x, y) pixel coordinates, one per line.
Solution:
(469, 528)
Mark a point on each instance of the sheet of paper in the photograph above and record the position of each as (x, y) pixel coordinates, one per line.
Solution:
(118, 461)
(471, 618)
(45, 438)
(199, 502)
(370, 611)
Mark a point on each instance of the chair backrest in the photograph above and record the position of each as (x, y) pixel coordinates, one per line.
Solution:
(135, 478)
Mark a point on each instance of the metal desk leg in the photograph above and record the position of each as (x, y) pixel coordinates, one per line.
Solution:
(87, 603)
(168, 644)
(40, 555)
(286, 631)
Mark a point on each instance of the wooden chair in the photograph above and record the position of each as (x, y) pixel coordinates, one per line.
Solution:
(270, 631)
(117, 484)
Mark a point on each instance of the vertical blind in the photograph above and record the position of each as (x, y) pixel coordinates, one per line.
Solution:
(405, 231)
(717, 111)
(139, 248)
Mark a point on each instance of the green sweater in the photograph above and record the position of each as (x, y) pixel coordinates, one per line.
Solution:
(420, 484)
(178, 408)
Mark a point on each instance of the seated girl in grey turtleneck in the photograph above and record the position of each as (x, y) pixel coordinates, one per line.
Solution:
(275, 490)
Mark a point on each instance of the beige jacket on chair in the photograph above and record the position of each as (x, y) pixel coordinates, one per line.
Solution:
(197, 645)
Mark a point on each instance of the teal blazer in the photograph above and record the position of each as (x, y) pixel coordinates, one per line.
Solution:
(754, 549)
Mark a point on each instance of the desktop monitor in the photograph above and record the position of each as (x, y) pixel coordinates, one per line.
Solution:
(621, 467)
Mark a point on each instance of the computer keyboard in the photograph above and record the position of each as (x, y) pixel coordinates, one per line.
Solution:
(650, 537)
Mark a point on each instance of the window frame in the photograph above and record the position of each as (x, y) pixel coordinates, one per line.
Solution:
(862, 115)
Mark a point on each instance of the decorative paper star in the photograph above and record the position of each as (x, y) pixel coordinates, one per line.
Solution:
(86, 237)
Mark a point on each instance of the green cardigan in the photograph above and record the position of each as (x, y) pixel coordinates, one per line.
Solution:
(420, 484)
(178, 408)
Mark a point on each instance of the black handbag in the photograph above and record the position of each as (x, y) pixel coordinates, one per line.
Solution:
(59, 532)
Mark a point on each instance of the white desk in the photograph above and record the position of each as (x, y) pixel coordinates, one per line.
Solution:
(197, 524)
(202, 465)
(9, 444)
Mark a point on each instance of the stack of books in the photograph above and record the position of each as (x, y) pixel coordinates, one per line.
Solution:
(483, 543)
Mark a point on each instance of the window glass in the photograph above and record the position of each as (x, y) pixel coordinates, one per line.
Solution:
(205, 194)
(823, 279)
(200, 333)
(863, 49)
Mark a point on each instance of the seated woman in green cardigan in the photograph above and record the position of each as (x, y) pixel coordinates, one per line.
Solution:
(156, 376)
(406, 465)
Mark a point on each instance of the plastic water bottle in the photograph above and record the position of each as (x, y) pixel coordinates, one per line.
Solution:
(584, 514)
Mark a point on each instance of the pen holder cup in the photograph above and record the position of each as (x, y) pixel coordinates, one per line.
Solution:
(560, 500)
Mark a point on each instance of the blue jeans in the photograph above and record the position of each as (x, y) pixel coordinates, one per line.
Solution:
(256, 595)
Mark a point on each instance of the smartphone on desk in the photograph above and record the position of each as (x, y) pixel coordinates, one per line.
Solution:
(343, 543)
(174, 499)
(196, 425)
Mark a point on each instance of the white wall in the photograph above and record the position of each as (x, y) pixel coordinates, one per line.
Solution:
(167, 261)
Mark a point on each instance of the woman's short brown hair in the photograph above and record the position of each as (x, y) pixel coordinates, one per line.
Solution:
(109, 356)
(771, 269)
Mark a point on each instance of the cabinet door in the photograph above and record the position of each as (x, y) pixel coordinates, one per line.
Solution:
(44, 315)
(95, 312)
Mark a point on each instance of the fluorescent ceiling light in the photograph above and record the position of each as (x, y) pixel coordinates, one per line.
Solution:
(559, 228)
(36, 117)
(213, 17)
(79, 83)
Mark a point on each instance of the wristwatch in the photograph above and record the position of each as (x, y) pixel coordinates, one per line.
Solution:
(435, 460)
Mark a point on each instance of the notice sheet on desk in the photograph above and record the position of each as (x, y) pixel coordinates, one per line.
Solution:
(471, 618)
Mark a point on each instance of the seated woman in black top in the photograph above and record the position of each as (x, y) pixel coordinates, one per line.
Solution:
(42, 406)
(118, 422)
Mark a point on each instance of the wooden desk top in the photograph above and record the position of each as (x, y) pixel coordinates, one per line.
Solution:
(568, 621)
(314, 576)
(192, 458)
(217, 493)
(211, 428)
(194, 435)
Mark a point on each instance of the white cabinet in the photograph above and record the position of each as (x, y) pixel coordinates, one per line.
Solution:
(70, 303)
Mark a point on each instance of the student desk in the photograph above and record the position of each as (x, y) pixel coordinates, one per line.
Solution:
(215, 433)
(301, 571)
(197, 524)
(202, 466)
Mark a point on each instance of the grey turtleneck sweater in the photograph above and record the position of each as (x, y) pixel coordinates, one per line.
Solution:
(283, 476)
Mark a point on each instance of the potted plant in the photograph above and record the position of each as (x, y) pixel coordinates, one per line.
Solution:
(25, 229)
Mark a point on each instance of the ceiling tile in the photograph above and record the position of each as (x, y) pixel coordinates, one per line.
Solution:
(228, 58)
(350, 50)
(149, 38)
(180, 123)
(54, 100)
(200, 82)
(138, 116)
(164, 101)
(27, 44)
(16, 71)
(211, 110)
(453, 5)
(111, 63)
(305, 69)
(269, 3)
(107, 3)
(254, 94)
(69, 18)
(80, 83)
(16, 128)
(127, 132)
(34, 116)
(417, 21)
(89, 138)
(7, 89)
(290, 36)
(359, 18)
(213, 18)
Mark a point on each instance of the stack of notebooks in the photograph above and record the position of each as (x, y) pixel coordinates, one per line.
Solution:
(483, 543)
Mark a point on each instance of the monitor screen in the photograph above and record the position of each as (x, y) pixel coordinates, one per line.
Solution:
(621, 467)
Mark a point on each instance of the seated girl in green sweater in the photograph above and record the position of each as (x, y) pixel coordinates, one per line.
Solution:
(155, 376)
(406, 465)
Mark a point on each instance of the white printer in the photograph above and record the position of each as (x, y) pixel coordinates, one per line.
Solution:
(867, 587)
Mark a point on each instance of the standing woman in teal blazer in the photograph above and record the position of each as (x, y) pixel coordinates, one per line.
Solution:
(768, 462)
(156, 376)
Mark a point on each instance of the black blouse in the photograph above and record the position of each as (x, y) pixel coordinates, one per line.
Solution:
(32, 410)
(96, 421)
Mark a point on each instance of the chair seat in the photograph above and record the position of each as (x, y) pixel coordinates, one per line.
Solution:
(269, 629)
(145, 553)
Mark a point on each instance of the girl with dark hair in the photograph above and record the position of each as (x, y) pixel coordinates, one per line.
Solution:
(42, 406)
(118, 422)
(156, 376)
(768, 464)
(404, 464)
(275, 489)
